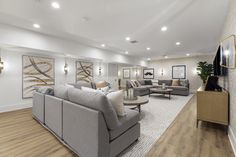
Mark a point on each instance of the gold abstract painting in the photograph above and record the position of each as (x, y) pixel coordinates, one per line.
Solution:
(37, 71)
(84, 71)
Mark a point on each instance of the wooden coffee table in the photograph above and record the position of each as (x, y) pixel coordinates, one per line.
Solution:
(138, 102)
(161, 91)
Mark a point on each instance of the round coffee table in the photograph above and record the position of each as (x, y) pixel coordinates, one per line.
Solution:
(138, 102)
(161, 91)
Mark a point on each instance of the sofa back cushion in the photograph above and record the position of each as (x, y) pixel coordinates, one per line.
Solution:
(61, 91)
(96, 101)
(80, 84)
(184, 83)
(167, 82)
(148, 82)
(142, 82)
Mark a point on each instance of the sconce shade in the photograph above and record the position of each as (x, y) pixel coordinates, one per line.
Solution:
(100, 71)
(1, 65)
(66, 68)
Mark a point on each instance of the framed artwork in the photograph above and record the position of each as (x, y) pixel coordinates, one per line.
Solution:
(179, 72)
(84, 71)
(148, 73)
(227, 52)
(126, 73)
(36, 71)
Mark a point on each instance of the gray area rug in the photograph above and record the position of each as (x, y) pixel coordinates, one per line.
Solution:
(156, 117)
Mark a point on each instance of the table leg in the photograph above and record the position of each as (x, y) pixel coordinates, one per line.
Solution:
(139, 108)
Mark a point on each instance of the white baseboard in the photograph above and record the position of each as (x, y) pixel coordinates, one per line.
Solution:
(14, 107)
(232, 140)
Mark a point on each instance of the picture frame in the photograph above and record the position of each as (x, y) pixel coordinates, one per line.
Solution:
(126, 73)
(179, 72)
(148, 73)
(36, 71)
(227, 52)
(84, 71)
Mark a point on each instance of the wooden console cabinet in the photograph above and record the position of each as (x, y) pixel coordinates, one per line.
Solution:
(212, 106)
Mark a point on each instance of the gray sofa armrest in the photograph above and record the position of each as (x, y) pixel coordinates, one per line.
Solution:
(85, 130)
(38, 106)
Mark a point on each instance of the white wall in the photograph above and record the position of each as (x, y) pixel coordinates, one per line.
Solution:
(230, 80)
(191, 65)
(11, 77)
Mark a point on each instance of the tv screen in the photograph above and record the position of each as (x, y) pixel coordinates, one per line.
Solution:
(219, 70)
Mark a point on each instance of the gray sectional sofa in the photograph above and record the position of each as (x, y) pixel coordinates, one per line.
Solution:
(86, 122)
(143, 87)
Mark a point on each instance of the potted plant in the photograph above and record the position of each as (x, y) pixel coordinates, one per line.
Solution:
(204, 70)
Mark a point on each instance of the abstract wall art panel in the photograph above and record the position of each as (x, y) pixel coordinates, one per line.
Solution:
(84, 71)
(37, 71)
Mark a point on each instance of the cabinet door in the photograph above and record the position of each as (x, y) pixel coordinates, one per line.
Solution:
(212, 107)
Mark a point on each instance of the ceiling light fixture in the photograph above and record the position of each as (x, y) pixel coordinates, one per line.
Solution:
(103, 45)
(166, 56)
(36, 25)
(55, 5)
(126, 52)
(177, 43)
(148, 59)
(164, 28)
(127, 38)
(148, 48)
(187, 54)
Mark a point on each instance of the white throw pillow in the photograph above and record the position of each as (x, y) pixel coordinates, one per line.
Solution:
(116, 99)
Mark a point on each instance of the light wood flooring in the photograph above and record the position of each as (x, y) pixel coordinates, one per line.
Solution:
(22, 136)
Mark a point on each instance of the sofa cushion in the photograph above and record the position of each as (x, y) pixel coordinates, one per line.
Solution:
(96, 101)
(142, 82)
(184, 83)
(175, 82)
(167, 82)
(148, 82)
(182, 88)
(79, 84)
(116, 99)
(131, 118)
(61, 91)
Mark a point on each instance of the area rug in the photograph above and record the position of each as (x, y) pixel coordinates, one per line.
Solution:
(156, 117)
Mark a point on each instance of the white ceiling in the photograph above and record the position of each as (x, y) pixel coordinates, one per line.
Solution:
(197, 24)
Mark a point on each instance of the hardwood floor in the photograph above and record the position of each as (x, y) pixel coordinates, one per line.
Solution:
(183, 139)
(22, 136)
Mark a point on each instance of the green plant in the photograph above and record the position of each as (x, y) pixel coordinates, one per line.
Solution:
(204, 70)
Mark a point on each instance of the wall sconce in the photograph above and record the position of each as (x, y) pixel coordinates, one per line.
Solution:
(1, 65)
(66, 68)
(99, 71)
(162, 72)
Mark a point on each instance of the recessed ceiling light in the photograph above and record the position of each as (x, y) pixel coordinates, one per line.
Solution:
(187, 54)
(177, 43)
(126, 52)
(103, 45)
(148, 48)
(148, 59)
(166, 57)
(164, 28)
(55, 5)
(127, 38)
(36, 25)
